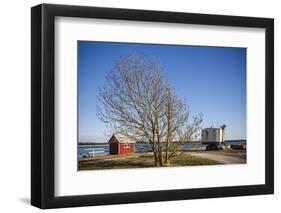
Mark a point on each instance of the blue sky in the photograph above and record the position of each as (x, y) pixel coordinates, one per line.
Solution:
(212, 79)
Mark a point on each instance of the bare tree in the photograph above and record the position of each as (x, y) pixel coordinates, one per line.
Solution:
(179, 129)
(137, 102)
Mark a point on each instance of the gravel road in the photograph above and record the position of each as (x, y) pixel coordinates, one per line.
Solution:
(220, 158)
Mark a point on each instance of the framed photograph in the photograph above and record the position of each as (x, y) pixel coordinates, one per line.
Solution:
(136, 106)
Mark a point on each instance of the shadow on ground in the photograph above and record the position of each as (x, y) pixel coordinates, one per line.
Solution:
(25, 200)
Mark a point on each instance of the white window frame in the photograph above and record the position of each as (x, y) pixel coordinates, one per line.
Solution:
(127, 145)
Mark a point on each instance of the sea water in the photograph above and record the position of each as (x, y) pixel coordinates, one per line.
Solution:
(102, 150)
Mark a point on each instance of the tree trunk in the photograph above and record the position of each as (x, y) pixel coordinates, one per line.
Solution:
(156, 163)
(166, 162)
(160, 159)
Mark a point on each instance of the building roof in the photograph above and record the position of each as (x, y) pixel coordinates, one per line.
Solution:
(123, 139)
(211, 128)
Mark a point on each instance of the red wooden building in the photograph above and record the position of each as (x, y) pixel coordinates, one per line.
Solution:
(120, 144)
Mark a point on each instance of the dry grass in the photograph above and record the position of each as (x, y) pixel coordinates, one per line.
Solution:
(144, 161)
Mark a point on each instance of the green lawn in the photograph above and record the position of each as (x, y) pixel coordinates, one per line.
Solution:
(143, 162)
(188, 160)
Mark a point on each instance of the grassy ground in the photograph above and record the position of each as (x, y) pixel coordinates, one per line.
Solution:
(142, 161)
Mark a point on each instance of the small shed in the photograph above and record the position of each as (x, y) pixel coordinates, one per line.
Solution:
(120, 144)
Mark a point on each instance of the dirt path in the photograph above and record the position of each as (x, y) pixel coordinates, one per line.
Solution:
(220, 158)
(111, 157)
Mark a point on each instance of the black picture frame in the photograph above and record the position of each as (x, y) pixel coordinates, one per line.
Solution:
(43, 102)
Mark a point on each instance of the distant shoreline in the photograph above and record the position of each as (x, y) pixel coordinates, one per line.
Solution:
(92, 144)
(85, 144)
